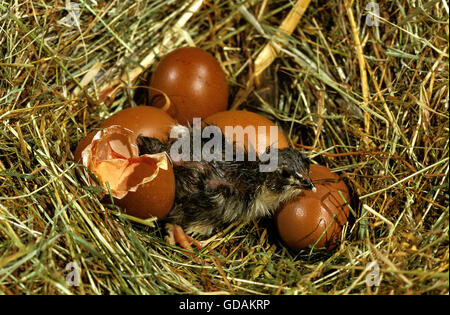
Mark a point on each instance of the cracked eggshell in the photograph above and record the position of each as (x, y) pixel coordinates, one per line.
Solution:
(142, 185)
(194, 82)
(308, 219)
(145, 120)
(82, 145)
(244, 119)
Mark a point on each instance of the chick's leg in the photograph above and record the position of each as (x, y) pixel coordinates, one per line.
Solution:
(176, 235)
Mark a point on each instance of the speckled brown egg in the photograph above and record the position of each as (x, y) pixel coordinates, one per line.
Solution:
(315, 218)
(194, 82)
(245, 119)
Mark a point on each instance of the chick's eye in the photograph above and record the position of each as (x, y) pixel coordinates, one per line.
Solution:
(285, 173)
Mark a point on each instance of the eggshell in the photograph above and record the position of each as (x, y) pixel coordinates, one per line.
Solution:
(245, 118)
(194, 82)
(308, 219)
(137, 194)
(82, 145)
(142, 120)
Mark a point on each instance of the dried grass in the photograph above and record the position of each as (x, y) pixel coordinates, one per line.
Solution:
(386, 131)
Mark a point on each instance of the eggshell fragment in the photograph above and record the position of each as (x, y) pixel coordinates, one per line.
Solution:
(315, 218)
(194, 82)
(246, 119)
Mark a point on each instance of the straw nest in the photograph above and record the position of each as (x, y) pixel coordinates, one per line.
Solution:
(366, 96)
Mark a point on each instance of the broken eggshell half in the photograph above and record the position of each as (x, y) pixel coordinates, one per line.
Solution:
(144, 185)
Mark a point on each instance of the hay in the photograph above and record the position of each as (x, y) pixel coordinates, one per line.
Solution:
(370, 102)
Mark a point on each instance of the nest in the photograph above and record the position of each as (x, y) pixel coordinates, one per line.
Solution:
(362, 88)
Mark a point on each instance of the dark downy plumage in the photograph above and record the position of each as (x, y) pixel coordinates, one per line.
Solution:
(217, 193)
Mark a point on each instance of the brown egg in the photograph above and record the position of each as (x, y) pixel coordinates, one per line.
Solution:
(143, 120)
(143, 185)
(243, 118)
(315, 218)
(194, 82)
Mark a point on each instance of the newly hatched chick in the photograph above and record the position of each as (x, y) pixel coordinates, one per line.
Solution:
(220, 192)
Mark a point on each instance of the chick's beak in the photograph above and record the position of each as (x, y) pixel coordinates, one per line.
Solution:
(306, 182)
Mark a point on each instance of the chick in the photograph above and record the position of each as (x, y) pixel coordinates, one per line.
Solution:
(219, 192)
